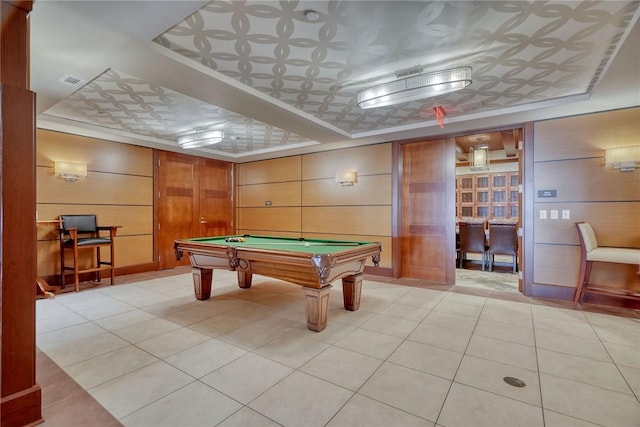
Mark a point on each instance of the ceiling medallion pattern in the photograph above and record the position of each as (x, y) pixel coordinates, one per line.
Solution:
(317, 67)
(117, 101)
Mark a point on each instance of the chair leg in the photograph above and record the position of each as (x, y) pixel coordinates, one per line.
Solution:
(97, 277)
(484, 260)
(582, 279)
(515, 264)
(76, 274)
(61, 267)
(113, 257)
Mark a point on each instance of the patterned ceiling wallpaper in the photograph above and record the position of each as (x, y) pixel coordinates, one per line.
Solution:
(520, 52)
(117, 101)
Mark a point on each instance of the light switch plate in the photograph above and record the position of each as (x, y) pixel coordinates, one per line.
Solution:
(543, 214)
(566, 214)
(554, 214)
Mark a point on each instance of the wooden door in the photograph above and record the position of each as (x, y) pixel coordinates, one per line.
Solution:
(216, 201)
(177, 204)
(194, 200)
(428, 211)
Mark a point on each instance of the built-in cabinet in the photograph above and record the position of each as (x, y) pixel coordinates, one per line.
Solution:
(488, 195)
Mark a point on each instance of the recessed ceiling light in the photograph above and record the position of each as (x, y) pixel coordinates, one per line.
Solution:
(311, 15)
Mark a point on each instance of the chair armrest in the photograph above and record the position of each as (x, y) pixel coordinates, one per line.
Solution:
(72, 232)
(111, 228)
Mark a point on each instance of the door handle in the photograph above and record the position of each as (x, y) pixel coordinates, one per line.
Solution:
(202, 220)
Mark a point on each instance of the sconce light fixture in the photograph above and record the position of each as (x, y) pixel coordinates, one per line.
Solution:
(347, 178)
(70, 171)
(200, 138)
(412, 85)
(624, 158)
(479, 159)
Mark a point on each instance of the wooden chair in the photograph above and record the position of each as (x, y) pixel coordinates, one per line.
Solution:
(82, 232)
(591, 252)
(472, 239)
(503, 240)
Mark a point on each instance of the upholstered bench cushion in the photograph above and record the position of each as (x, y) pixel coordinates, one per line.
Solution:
(619, 255)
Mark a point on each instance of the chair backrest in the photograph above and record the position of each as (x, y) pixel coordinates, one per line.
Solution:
(587, 236)
(472, 237)
(84, 223)
(503, 239)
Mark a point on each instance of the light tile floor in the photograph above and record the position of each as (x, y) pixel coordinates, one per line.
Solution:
(152, 355)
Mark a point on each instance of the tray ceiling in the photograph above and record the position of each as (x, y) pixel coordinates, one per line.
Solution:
(276, 81)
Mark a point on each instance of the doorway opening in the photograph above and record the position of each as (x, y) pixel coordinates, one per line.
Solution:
(488, 192)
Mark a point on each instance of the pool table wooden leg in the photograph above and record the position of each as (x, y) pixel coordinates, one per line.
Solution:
(244, 279)
(352, 289)
(317, 305)
(202, 278)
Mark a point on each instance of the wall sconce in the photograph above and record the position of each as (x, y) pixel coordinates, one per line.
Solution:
(624, 158)
(70, 171)
(479, 159)
(347, 178)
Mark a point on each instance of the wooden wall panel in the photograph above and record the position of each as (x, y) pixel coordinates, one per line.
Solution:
(134, 220)
(276, 170)
(270, 219)
(275, 233)
(98, 155)
(127, 254)
(585, 180)
(556, 264)
(613, 223)
(559, 265)
(118, 189)
(97, 188)
(348, 220)
(385, 256)
(307, 202)
(586, 135)
(279, 194)
(369, 190)
(569, 158)
(368, 160)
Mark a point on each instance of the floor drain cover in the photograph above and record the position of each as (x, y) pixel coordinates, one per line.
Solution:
(516, 382)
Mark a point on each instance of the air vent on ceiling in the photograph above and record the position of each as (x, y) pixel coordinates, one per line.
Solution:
(70, 80)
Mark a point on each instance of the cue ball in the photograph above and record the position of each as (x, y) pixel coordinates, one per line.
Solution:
(306, 243)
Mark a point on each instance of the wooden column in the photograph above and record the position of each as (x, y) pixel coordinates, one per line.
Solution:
(20, 395)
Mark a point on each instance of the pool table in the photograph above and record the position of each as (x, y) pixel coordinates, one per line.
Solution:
(311, 263)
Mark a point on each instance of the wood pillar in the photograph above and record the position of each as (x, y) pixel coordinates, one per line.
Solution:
(20, 395)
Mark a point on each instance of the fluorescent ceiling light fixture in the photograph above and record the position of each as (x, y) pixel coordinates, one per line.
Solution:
(624, 158)
(414, 87)
(200, 138)
(479, 159)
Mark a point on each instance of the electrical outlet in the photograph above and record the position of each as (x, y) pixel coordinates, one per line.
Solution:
(543, 214)
(566, 214)
(554, 214)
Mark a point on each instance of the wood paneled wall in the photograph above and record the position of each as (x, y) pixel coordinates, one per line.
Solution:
(569, 158)
(298, 197)
(118, 189)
